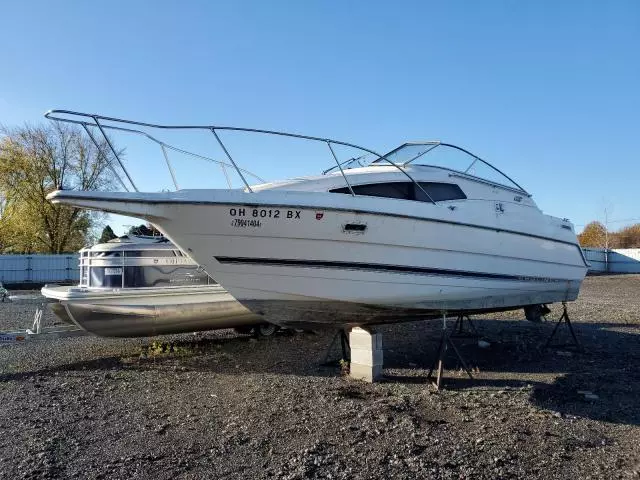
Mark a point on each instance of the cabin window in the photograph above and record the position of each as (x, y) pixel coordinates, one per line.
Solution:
(400, 190)
(438, 192)
(150, 253)
(105, 254)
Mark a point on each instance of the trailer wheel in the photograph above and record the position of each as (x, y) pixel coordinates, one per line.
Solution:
(266, 329)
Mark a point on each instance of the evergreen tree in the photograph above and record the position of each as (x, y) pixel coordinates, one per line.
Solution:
(107, 234)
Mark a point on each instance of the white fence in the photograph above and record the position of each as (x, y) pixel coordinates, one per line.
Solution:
(37, 268)
(619, 260)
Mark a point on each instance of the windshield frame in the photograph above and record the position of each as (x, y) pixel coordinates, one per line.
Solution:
(434, 144)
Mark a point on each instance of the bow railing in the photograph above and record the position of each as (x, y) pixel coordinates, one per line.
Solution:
(94, 122)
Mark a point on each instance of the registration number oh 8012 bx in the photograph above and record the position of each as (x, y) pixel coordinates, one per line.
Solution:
(244, 212)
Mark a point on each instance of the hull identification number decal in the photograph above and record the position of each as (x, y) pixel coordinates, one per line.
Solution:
(245, 223)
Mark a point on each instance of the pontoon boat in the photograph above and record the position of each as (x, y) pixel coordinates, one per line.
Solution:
(135, 286)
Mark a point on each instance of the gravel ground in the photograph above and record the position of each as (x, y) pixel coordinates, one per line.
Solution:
(228, 406)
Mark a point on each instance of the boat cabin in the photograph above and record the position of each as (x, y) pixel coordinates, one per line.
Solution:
(430, 172)
(138, 262)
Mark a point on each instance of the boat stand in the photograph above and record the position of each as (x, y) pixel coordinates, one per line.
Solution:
(445, 343)
(344, 344)
(459, 330)
(564, 318)
(36, 328)
(38, 331)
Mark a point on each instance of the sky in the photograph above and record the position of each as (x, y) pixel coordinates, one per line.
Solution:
(546, 91)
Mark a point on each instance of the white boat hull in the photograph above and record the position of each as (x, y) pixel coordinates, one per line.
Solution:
(455, 268)
(310, 264)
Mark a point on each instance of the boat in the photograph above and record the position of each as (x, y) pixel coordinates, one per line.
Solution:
(426, 228)
(145, 286)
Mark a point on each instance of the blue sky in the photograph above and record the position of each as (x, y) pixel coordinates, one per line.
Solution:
(547, 91)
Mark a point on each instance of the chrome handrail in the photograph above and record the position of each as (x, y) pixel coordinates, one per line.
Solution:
(102, 122)
(163, 145)
(346, 162)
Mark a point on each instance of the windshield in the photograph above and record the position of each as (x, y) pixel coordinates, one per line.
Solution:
(447, 156)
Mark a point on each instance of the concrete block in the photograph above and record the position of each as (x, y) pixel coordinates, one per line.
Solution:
(367, 357)
(367, 373)
(366, 354)
(361, 338)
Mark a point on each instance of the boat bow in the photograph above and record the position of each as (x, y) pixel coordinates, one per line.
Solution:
(143, 205)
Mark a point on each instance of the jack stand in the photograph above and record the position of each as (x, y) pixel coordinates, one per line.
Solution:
(445, 342)
(36, 328)
(460, 332)
(344, 344)
(565, 317)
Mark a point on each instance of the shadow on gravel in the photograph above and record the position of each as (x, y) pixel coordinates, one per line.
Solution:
(106, 363)
(286, 353)
(601, 383)
(557, 379)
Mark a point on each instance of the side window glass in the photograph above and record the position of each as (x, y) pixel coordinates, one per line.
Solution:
(400, 190)
(439, 192)
(408, 191)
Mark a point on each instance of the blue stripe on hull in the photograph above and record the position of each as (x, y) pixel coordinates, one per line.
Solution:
(376, 267)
